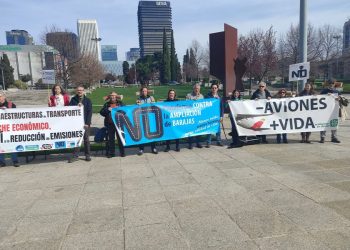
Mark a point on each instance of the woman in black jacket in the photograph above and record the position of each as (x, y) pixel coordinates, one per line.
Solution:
(112, 102)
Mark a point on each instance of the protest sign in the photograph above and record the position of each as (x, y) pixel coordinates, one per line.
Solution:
(287, 115)
(34, 129)
(139, 124)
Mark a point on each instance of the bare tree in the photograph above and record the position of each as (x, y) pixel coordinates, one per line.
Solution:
(88, 71)
(259, 48)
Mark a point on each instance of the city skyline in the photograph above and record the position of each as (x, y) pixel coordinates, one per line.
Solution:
(192, 20)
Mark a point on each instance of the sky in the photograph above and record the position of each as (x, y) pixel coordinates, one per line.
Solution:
(192, 19)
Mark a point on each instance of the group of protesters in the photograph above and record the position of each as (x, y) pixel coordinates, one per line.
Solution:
(60, 98)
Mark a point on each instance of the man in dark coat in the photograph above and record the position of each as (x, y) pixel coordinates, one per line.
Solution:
(81, 100)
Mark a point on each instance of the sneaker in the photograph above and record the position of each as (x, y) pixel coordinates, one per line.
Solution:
(87, 158)
(190, 146)
(155, 151)
(2, 164)
(335, 140)
(219, 144)
(16, 164)
(303, 141)
(285, 141)
(199, 145)
(122, 154)
(322, 140)
(166, 149)
(307, 141)
(207, 145)
(177, 149)
(230, 133)
(110, 156)
(140, 152)
(72, 159)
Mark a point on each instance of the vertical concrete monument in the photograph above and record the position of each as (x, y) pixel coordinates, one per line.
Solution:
(223, 59)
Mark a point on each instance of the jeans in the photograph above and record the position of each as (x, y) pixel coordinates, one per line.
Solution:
(218, 137)
(14, 158)
(86, 144)
(334, 134)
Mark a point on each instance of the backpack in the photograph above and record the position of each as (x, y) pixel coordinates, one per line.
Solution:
(101, 135)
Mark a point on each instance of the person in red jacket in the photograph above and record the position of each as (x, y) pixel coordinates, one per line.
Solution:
(5, 104)
(58, 98)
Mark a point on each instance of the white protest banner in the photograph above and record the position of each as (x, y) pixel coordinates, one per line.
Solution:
(287, 115)
(34, 129)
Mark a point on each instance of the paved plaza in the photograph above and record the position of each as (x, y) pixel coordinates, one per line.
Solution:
(267, 196)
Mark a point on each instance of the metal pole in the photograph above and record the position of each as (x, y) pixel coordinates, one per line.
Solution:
(302, 37)
(337, 37)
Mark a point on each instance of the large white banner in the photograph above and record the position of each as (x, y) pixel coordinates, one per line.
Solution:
(287, 115)
(34, 129)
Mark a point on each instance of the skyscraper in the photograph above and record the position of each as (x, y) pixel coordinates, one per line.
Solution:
(20, 37)
(89, 40)
(133, 54)
(153, 18)
(109, 52)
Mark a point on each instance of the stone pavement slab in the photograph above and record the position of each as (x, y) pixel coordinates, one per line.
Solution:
(268, 196)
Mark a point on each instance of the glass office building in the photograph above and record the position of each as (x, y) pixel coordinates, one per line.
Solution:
(19, 37)
(153, 18)
(109, 53)
(66, 43)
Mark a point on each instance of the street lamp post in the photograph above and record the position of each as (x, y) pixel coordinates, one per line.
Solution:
(337, 37)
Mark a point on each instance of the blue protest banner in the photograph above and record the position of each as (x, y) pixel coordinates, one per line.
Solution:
(139, 124)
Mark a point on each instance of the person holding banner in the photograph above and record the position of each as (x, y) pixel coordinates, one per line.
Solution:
(146, 98)
(172, 98)
(214, 94)
(261, 93)
(308, 90)
(236, 96)
(58, 98)
(282, 94)
(195, 95)
(5, 104)
(113, 101)
(330, 91)
(81, 100)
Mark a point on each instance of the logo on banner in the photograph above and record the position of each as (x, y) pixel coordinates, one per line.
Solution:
(299, 71)
(19, 148)
(60, 144)
(46, 146)
(32, 147)
(70, 144)
(333, 123)
(123, 122)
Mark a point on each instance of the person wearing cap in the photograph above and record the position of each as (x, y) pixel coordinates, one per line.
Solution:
(195, 95)
(5, 104)
(112, 101)
(330, 91)
(58, 98)
(261, 93)
(81, 100)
